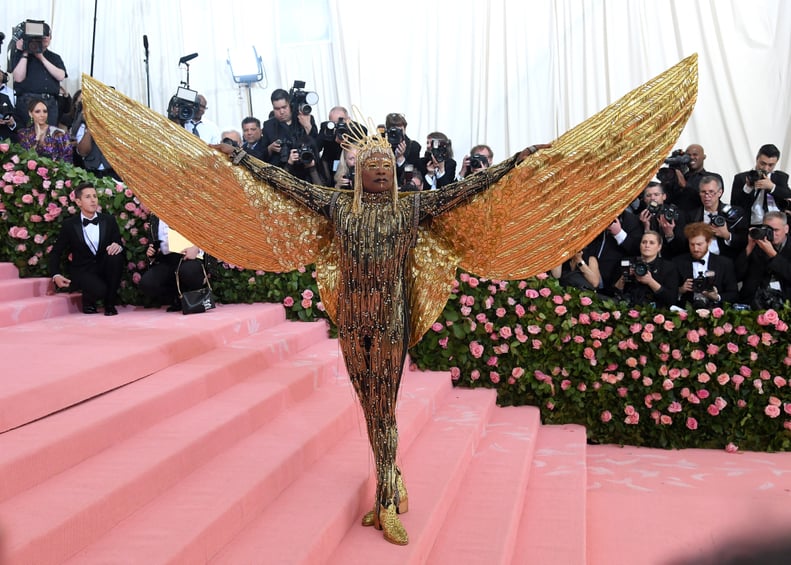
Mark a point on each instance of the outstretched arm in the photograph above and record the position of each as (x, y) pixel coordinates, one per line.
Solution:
(314, 197)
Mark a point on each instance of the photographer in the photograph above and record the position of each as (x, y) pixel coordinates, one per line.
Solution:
(620, 240)
(437, 166)
(159, 281)
(480, 157)
(407, 151)
(8, 123)
(292, 143)
(765, 264)
(37, 71)
(331, 135)
(344, 176)
(649, 279)
(729, 222)
(204, 129)
(763, 189)
(663, 218)
(86, 149)
(681, 178)
(708, 280)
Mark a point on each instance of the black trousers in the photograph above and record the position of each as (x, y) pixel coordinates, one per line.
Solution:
(159, 281)
(99, 281)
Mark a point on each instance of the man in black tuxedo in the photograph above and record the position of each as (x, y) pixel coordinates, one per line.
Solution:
(253, 144)
(709, 280)
(763, 189)
(97, 261)
(765, 264)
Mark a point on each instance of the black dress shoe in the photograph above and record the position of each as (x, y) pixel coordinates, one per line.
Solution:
(110, 311)
(90, 309)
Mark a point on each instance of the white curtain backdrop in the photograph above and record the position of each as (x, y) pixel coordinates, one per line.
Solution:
(504, 72)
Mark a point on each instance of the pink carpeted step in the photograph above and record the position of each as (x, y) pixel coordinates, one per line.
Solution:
(434, 469)
(8, 271)
(553, 524)
(121, 350)
(201, 513)
(310, 518)
(13, 289)
(61, 516)
(483, 522)
(26, 310)
(41, 449)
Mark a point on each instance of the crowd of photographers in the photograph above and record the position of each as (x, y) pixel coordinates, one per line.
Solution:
(679, 245)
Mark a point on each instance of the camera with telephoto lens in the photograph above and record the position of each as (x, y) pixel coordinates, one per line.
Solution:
(478, 161)
(678, 160)
(754, 176)
(717, 221)
(762, 232)
(183, 104)
(669, 211)
(302, 101)
(438, 149)
(32, 34)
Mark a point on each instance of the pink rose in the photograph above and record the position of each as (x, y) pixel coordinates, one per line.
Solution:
(473, 282)
(517, 372)
(772, 411)
(455, 373)
(475, 375)
(713, 410)
(306, 303)
(692, 424)
(307, 293)
(437, 327)
(674, 407)
(586, 300)
(732, 347)
(476, 349)
(18, 232)
(545, 292)
(606, 416)
(494, 377)
(31, 165)
(136, 278)
(531, 293)
(731, 448)
(288, 302)
(505, 332)
(665, 420)
(520, 310)
(693, 336)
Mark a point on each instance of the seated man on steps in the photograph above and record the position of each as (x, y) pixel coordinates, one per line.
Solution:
(171, 255)
(94, 242)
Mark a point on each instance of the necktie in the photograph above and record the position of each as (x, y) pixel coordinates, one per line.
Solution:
(195, 128)
(86, 221)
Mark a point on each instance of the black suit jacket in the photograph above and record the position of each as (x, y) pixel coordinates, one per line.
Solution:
(71, 239)
(724, 276)
(781, 193)
(757, 270)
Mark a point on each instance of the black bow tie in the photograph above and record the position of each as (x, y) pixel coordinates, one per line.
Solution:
(86, 221)
(701, 261)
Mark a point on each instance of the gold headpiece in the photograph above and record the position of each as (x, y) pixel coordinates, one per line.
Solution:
(366, 145)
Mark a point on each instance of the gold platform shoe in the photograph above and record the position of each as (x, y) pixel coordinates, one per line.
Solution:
(403, 500)
(386, 519)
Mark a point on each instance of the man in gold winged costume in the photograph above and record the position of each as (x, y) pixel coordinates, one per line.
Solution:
(385, 261)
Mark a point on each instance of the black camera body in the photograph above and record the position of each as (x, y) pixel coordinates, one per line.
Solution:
(302, 101)
(754, 176)
(32, 33)
(230, 141)
(678, 160)
(305, 151)
(704, 282)
(478, 161)
(6, 110)
(762, 232)
(667, 211)
(395, 136)
(334, 131)
(633, 268)
(183, 105)
(438, 150)
(717, 221)
(350, 176)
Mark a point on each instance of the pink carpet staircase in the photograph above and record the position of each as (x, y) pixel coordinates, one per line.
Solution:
(235, 437)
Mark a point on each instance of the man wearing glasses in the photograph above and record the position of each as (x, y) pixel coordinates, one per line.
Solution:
(205, 129)
(729, 222)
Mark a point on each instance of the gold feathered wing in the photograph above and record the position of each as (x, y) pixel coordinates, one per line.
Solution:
(220, 207)
(527, 222)
(555, 201)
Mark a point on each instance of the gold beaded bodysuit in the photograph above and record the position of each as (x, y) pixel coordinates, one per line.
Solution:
(385, 273)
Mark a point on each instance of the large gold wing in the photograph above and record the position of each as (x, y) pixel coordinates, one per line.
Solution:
(220, 207)
(557, 200)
